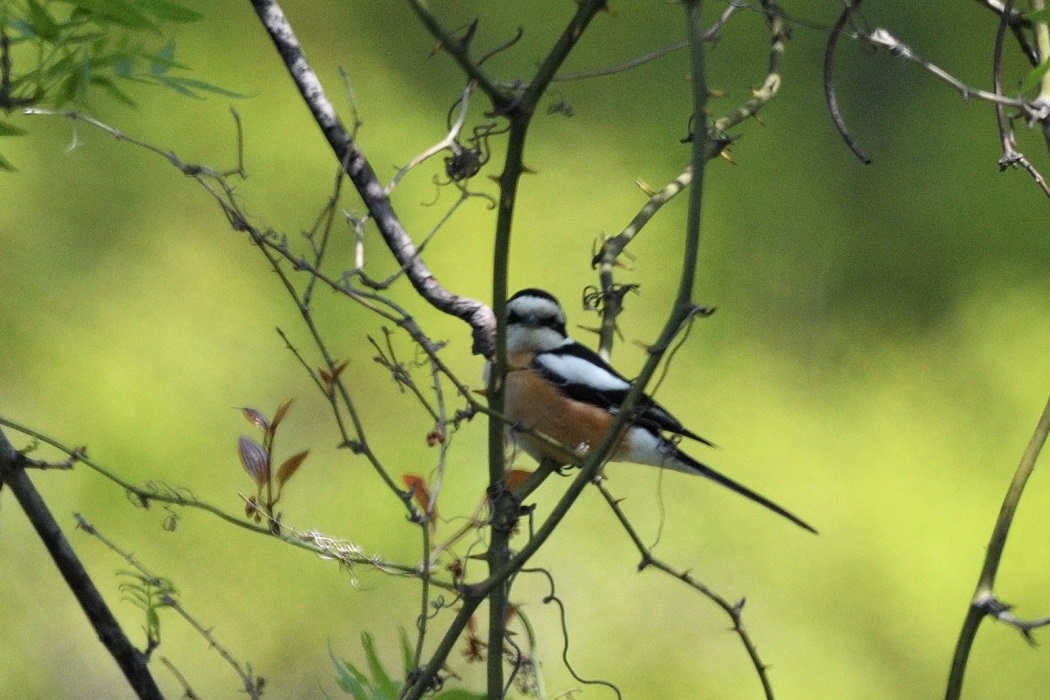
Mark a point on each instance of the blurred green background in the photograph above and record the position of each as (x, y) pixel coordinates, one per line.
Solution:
(877, 363)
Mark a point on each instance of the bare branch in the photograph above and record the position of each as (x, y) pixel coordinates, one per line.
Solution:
(477, 315)
(1011, 156)
(829, 81)
(981, 604)
(733, 610)
(252, 685)
(131, 661)
(447, 142)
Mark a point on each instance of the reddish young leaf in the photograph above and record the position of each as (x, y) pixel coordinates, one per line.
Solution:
(256, 418)
(255, 460)
(338, 369)
(279, 416)
(417, 485)
(290, 466)
(516, 477)
(329, 378)
(435, 437)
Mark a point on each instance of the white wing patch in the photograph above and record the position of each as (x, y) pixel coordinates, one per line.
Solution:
(570, 369)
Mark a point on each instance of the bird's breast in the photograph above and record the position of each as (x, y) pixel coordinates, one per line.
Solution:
(533, 402)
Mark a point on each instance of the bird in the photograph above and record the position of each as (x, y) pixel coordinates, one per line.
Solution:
(563, 390)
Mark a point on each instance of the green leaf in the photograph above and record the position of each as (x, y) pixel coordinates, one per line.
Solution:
(384, 686)
(10, 130)
(350, 679)
(1035, 76)
(407, 655)
(163, 60)
(105, 12)
(194, 84)
(43, 24)
(167, 11)
(176, 85)
(6, 165)
(1039, 15)
(116, 93)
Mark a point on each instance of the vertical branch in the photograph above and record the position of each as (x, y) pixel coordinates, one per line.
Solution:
(984, 601)
(691, 249)
(504, 505)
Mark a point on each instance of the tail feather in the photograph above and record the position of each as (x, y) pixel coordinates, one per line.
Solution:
(739, 488)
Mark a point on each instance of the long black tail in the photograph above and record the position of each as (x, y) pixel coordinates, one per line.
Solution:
(744, 491)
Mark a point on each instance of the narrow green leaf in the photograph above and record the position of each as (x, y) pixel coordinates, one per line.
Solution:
(7, 129)
(350, 679)
(1039, 15)
(116, 93)
(1035, 76)
(384, 686)
(167, 11)
(163, 60)
(407, 655)
(176, 85)
(6, 165)
(194, 84)
(43, 24)
(111, 12)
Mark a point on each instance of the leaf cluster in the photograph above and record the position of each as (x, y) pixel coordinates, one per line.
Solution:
(376, 682)
(257, 460)
(61, 53)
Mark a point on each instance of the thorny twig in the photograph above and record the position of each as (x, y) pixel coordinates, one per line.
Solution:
(252, 684)
(733, 610)
(1033, 110)
(1011, 156)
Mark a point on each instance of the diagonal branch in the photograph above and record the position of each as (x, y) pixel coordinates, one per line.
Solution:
(371, 190)
(132, 662)
(733, 610)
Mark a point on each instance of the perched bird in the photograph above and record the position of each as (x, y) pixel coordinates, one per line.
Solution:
(565, 391)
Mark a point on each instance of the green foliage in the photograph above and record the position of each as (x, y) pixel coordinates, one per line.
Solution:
(61, 53)
(148, 595)
(376, 683)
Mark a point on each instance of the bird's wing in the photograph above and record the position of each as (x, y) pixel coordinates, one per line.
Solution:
(583, 375)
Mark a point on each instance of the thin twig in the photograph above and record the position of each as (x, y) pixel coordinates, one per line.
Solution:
(477, 315)
(1011, 157)
(983, 601)
(252, 685)
(1018, 25)
(733, 610)
(829, 81)
(328, 548)
(131, 661)
(450, 139)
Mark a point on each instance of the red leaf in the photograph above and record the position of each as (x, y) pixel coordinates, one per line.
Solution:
(255, 459)
(329, 378)
(256, 418)
(338, 369)
(290, 466)
(279, 416)
(417, 486)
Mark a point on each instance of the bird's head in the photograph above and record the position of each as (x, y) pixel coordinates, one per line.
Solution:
(535, 322)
